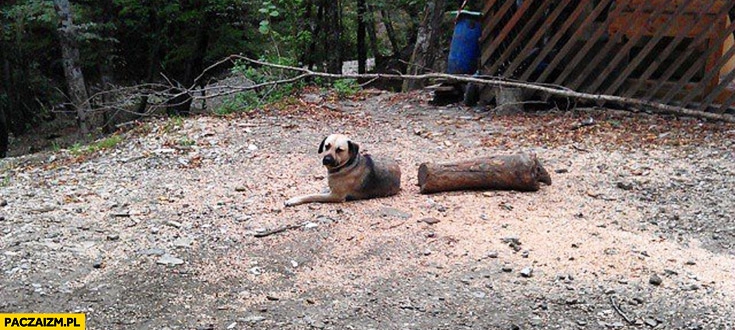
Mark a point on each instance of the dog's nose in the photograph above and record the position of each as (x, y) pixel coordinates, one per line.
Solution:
(328, 160)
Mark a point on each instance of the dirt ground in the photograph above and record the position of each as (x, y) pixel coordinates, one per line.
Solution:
(159, 232)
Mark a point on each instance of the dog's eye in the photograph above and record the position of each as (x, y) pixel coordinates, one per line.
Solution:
(326, 147)
(340, 150)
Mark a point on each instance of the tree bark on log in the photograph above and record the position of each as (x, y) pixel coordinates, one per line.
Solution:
(521, 172)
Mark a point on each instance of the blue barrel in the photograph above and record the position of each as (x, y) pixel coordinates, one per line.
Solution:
(464, 50)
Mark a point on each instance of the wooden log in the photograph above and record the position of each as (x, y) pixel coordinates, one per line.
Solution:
(522, 172)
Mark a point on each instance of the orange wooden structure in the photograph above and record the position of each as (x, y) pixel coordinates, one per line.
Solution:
(672, 51)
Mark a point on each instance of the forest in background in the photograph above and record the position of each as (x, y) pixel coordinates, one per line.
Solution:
(58, 56)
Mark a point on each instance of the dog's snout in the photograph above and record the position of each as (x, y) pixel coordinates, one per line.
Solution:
(328, 160)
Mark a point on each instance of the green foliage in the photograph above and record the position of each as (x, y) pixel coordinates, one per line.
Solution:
(173, 123)
(252, 99)
(346, 87)
(187, 142)
(55, 146)
(77, 149)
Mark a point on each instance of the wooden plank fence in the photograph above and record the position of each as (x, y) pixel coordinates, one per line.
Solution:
(677, 52)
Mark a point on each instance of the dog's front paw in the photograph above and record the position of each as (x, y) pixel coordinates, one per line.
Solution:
(291, 202)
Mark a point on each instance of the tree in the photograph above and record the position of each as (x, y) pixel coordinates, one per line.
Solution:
(361, 29)
(332, 34)
(427, 43)
(70, 62)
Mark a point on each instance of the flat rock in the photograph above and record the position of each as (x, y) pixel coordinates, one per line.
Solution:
(251, 319)
(389, 212)
(650, 322)
(183, 242)
(429, 220)
(152, 252)
(174, 224)
(169, 260)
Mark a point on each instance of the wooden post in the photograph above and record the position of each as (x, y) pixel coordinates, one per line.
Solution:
(522, 172)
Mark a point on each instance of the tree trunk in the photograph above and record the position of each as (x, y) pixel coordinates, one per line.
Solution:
(332, 31)
(372, 36)
(361, 27)
(4, 89)
(72, 69)
(427, 43)
(390, 32)
(4, 134)
(520, 172)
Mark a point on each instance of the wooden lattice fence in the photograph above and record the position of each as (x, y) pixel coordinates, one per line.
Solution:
(677, 52)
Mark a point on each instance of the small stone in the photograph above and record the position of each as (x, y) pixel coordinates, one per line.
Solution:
(183, 242)
(294, 264)
(174, 224)
(487, 194)
(271, 298)
(252, 147)
(690, 263)
(507, 268)
(430, 221)
(582, 322)
(255, 270)
(427, 252)
(169, 260)
(610, 291)
(251, 319)
(492, 254)
(310, 225)
(524, 254)
(240, 188)
(561, 170)
(692, 287)
(655, 280)
(386, 212)
(527, 272)
(671, 272)
(97, 264)
(625, 185)
(154, 230)
(511, 240)
(232, 325)
(3, 203)
(113, 237)
(152, 252)
(650, 322)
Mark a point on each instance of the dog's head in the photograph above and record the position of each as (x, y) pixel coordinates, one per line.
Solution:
(337, 150)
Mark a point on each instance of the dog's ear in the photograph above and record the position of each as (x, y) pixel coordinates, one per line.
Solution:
(353, 147)
(321, 145)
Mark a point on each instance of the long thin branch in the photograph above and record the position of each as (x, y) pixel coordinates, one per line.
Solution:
(560, 91)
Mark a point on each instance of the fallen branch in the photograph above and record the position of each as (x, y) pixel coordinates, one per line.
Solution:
(617, 309)
(276, 231)
(550, 89)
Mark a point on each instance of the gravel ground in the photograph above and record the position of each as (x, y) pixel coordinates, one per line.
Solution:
(161, 231)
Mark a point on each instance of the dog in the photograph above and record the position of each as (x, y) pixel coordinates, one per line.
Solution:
(352, 176)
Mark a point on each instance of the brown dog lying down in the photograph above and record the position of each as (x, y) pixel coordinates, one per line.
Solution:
(351, 175)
